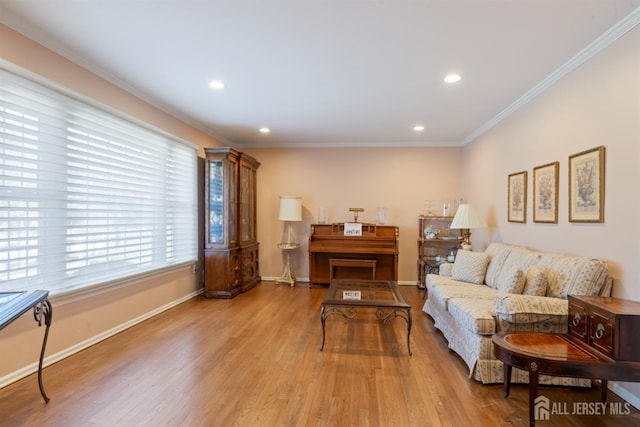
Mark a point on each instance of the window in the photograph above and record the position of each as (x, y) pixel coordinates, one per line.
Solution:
(87, 197)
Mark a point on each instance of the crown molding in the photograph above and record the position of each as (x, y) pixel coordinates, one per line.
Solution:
(347, 144)
(601, 43)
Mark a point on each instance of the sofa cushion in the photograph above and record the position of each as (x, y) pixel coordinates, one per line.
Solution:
(573, 275)
(536, 282)
(498, 253)
(512, 282)
(440, 293)
(433, 281)
(475, 315)
(530, 309)
(470, 267)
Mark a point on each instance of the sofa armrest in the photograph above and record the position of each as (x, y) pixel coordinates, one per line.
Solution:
(445, 269)
(515, 308)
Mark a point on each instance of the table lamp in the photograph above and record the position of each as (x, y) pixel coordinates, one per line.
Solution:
(468, 216)
(290, 210)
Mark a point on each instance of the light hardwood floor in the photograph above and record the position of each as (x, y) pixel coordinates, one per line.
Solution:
(255, 361)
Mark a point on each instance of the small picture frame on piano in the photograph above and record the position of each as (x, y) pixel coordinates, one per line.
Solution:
(352, 229)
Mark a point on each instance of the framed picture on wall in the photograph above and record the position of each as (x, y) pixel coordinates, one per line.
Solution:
(586, 186)
(545, 193)
(517, 197)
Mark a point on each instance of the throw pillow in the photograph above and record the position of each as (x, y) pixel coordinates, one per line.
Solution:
(537, 282)
(470, 267)
(512, 282)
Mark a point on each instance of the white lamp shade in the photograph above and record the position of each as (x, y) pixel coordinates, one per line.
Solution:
(468, 216)
(290, 208)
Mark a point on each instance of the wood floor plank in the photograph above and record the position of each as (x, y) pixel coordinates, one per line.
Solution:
(255, 360)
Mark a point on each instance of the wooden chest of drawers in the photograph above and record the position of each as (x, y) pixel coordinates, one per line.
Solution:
(608, 325)
(601, 344)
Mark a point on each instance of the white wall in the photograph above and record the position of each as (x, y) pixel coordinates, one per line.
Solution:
(597, 104)
(400, 179)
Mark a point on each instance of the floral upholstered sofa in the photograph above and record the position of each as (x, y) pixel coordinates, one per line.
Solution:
(508, 288)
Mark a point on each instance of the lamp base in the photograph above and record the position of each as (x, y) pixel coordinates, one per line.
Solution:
(287, 277)
(466, 244)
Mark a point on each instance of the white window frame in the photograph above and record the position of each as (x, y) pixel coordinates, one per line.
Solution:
(83, 152)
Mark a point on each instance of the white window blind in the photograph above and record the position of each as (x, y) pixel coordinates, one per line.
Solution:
(87, 197)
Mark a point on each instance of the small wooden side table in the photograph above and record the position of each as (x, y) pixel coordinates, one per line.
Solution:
(600, 344)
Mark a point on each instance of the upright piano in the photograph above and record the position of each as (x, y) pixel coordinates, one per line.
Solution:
(377, 242)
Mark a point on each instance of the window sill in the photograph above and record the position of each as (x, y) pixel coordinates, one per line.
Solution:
(72, 295)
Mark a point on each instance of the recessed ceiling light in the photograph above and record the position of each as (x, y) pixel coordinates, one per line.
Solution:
(452, 78)
(216, 84)
(418, 128)
(265, 130)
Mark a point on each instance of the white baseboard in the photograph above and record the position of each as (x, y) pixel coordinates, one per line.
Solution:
(30, 369)
(625, 394)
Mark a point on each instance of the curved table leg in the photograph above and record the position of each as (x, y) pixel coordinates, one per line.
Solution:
(507, 379)
(41, 310)
(399, 312)
(533, 392)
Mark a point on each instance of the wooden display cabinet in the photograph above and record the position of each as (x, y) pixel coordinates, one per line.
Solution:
(447, 240)
(231, 246)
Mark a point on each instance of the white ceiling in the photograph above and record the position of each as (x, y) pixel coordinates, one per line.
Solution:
(328, 72)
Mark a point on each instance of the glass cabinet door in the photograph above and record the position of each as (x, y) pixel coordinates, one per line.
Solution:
(245, 206)
(233, 202)
(216, 201)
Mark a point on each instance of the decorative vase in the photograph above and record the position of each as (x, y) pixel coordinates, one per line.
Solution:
(321, 215)
(382, 215)
(446, 207)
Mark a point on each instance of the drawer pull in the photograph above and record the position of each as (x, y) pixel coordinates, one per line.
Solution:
(600, 331)
(576, 319)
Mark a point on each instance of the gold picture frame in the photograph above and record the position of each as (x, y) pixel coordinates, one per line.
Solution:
(545, 193)
(517, 197)
(586, 185)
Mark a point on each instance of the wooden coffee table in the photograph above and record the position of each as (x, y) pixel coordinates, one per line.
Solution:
(346, 296)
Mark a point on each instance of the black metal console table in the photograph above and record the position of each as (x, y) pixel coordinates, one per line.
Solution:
(15, 304)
